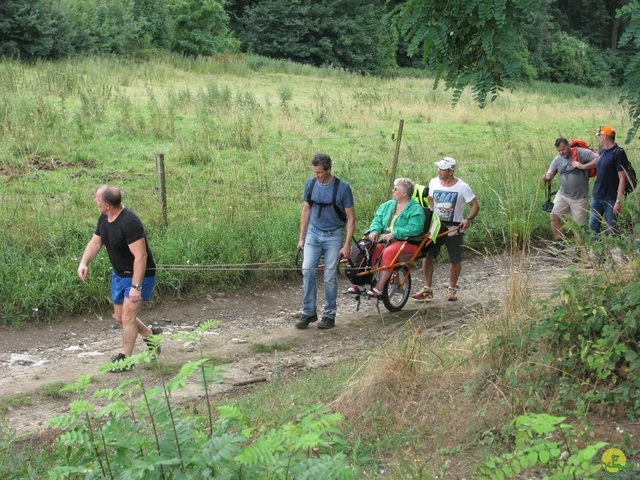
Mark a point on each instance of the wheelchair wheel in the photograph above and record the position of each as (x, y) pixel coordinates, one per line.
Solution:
(397, 289)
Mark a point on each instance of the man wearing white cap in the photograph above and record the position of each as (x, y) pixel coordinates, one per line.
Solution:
(448, 197)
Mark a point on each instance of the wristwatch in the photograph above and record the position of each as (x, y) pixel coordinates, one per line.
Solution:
(137, 287)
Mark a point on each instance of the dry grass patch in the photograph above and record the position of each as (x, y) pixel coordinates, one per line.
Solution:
(445, 401)
(429, 398)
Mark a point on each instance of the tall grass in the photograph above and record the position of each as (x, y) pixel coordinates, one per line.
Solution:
(238, 133)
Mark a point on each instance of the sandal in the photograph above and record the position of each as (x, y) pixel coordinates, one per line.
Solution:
(452, 294)
(374, 293)
(356, 289)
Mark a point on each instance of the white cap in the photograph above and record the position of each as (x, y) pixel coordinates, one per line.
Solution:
(447, 163)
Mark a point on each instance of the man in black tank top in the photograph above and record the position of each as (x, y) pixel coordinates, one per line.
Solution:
(122, 234)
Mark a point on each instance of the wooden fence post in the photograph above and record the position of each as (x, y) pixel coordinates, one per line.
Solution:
(162, 187)
(397, 153)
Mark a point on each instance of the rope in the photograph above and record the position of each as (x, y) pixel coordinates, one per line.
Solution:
(189, 265)
(213, 267)
(230, 267)
(237, 268)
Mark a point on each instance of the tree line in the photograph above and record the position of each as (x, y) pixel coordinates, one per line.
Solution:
(485, 44)
(570, 41)
(54, 29)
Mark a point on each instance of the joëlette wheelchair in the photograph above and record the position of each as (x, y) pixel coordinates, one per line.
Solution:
(397, 289)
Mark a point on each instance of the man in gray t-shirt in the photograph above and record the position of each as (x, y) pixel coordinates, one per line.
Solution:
(572, 198)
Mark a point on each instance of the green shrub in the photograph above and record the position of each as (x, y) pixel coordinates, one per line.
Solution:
(201, 28)
(352, 35)
(537, 451)
(593, 329)
(141, 434)
(570, 60)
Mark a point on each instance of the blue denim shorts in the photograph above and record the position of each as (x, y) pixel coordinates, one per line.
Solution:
(120, 287)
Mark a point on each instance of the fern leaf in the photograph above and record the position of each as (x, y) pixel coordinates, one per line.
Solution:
(325, 467)
(80, 407)
(222, 448)
(186, 371)
(259, 454)
(117, 408)
(231, 415)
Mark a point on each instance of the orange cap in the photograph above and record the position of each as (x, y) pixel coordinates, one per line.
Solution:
(607, 131)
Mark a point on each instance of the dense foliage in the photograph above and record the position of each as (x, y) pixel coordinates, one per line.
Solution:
(631, 38)
(594, 21)
(42, 29)
(200, 28)
(467, 42)
(491, 45)
(593, 331)
(536, 450)
(139, 432)
(354, 34)
(488, 45)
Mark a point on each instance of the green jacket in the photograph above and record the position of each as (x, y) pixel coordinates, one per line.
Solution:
(410, 222)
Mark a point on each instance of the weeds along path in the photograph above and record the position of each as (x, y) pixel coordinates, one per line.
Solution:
(32, 360)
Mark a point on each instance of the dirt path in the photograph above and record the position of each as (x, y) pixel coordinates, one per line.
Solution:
(63, 351)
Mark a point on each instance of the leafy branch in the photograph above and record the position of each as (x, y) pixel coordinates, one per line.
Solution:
(536, 448)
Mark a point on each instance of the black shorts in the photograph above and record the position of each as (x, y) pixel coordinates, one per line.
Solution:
(454, 244)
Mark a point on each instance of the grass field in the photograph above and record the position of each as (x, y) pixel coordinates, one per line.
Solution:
(237, 134)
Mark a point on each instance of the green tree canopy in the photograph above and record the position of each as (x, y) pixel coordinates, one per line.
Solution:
(352, 34)
(593, 21)
(201, 28)
(56, 28)
(631, 36)
(32, 29)
(469, 42)
(482, 44)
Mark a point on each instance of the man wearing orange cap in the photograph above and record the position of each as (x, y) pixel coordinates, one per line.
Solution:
(611, 180)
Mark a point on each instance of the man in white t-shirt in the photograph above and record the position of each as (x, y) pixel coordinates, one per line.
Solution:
(448, 197)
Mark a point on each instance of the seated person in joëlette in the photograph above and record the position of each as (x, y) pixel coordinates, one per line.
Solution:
(397, 219)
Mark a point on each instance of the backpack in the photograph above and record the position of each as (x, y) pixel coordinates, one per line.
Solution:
(632, 180)
(432, 226)
(341, 214)
(421, 194)
(360, 261)
(575, 144)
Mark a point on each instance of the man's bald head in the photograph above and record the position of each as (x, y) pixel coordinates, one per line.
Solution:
(110, 195)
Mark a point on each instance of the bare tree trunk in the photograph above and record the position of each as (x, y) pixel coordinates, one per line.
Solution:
(615, 31)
